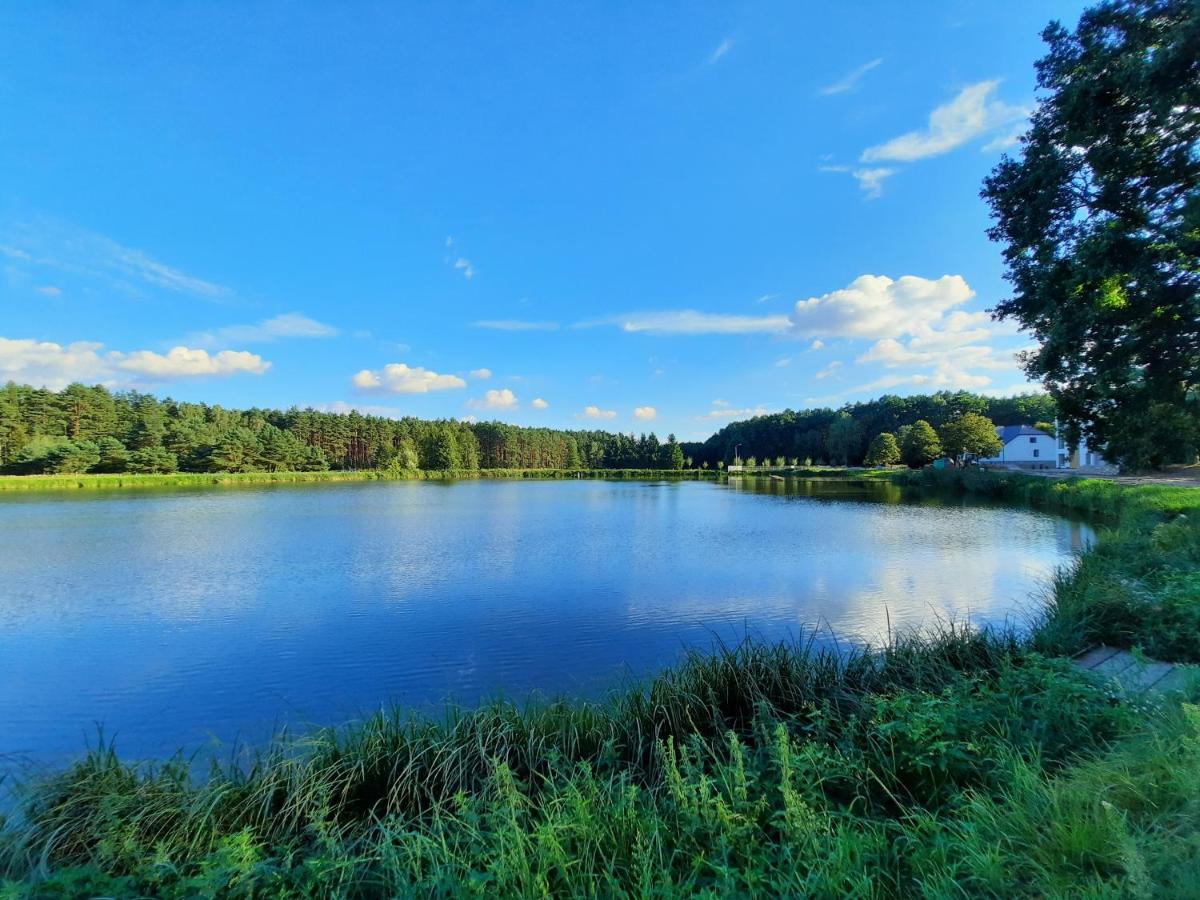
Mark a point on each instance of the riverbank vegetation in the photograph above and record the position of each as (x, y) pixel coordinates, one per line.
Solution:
(197, 479)
(954, 763)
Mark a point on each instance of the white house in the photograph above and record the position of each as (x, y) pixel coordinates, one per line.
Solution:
(1025, 446)
(1081, 456)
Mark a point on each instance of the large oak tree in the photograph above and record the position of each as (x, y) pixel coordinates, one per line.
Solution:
(1100, 218)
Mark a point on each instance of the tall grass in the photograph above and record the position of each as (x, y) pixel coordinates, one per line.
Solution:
(955, 763)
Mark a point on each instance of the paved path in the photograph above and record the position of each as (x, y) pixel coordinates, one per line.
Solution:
(1133, 675)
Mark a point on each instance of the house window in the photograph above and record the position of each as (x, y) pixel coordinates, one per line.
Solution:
(1033, 440)
(1037, 453)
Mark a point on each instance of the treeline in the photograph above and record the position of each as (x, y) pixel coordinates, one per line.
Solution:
(843, 436)
(92, 429)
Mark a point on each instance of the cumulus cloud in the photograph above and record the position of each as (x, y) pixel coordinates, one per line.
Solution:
(915, 324)
(595, 412)
(180, 362)
(287, 325)
(849, 81)
(514, 325)
(689, 321)
(539, 403)
(645, 413)
(398, 378)
(974, 112)
(481, 374)
(495, 399)
(47, 364)
(875, 306)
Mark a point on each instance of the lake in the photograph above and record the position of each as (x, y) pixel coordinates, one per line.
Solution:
(186, 617)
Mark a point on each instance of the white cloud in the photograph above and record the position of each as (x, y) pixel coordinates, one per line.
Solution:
(875, 306)
(830, 369)
(514, 325)
(916, 324)
(689, 321)
(52, 365)
(495, 399)
(366, 409)
(595, 412)
(49, 290)
(972, 113)
(180, 362)
(721, 50)
(816, 344)
(849, 81)
(1007, 139)
(481, 374)
(871, 180)
(645, 413)
(539, 403)
(287, 325)
(465, 265)
(783, 362)
(728, 413)
(720, 402)
(398, 378)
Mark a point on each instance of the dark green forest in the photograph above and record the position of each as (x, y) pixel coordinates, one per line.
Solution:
(93, 429)
(843, 436)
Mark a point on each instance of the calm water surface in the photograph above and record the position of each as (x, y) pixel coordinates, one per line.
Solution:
(182, 617)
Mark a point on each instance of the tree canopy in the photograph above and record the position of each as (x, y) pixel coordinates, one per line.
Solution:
(970, 435)
(1100, 219)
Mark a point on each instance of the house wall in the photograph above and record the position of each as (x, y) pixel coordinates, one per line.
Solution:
(1029, 450)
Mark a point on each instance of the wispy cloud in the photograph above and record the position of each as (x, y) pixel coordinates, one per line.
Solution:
(52, 244)
(281, 327)
(830, 369)
(690, 322)
(720, 51)
(366, 409)
(459, 262)
(849, 81)
(871, 180)
(727, 412)
(972, 113)
(514, 325)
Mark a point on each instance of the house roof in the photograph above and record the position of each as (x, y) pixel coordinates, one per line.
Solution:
(1008, 433)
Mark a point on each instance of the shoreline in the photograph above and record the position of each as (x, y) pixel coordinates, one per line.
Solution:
(93, 481)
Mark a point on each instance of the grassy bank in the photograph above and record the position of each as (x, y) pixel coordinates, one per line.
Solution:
(955, 764)
(186, 479)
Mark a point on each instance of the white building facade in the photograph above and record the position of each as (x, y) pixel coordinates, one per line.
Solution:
(1026, 447)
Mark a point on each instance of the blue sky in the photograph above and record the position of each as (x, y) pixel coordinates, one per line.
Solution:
(631, 216)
